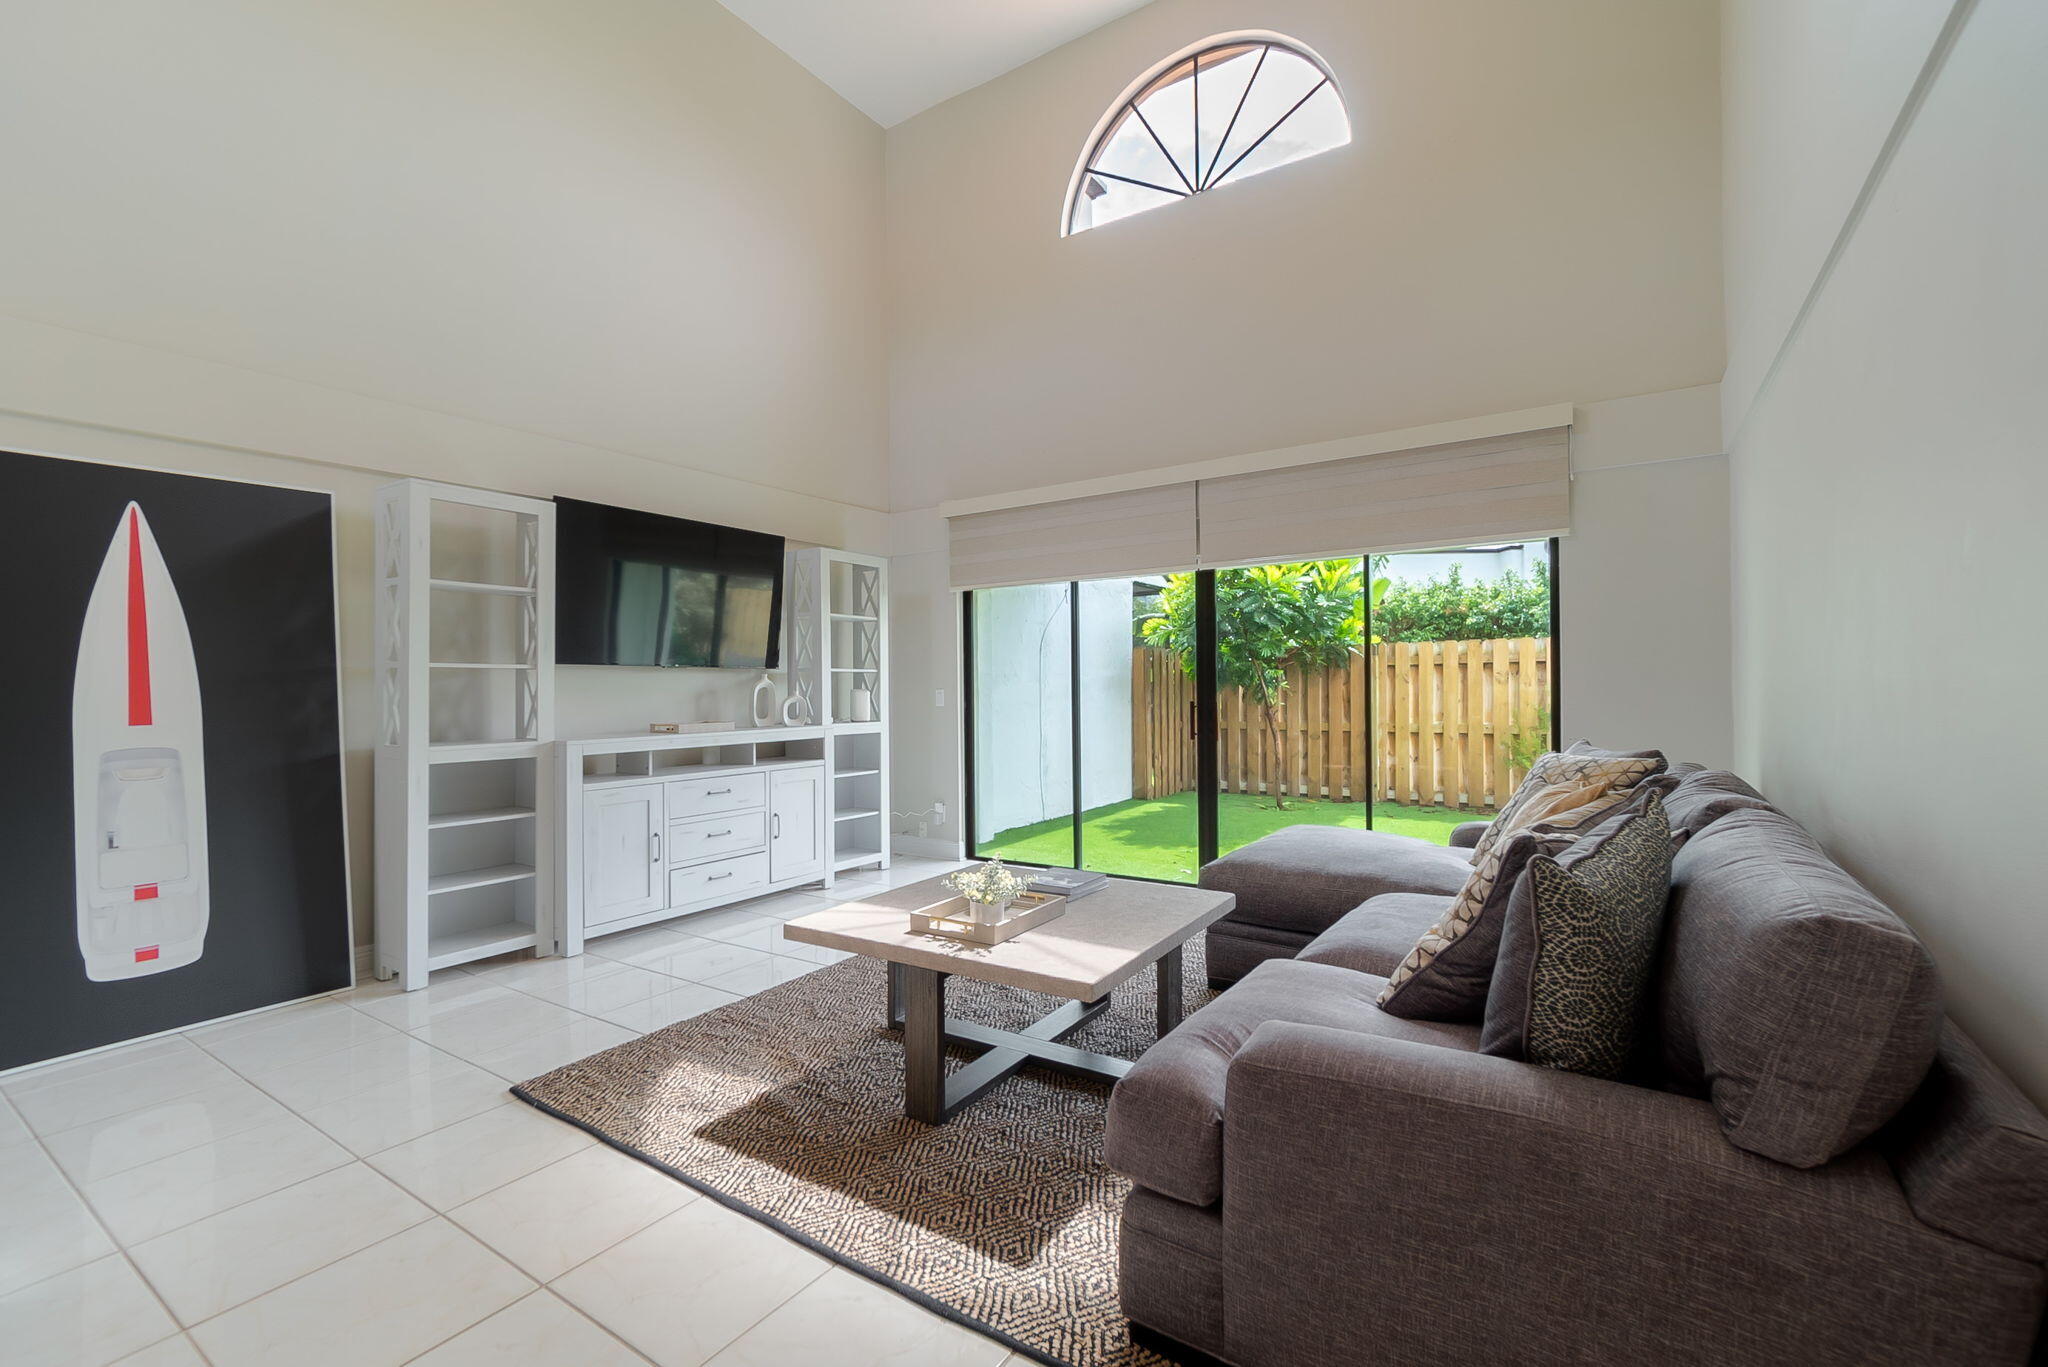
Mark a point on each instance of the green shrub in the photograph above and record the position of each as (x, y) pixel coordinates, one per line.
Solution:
(1449, 609)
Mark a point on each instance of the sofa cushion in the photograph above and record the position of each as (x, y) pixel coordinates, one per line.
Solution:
(1235, 948)
(1377, 936)
(1971, 1153)
(1465, 835)
(1165, 1127)
(1705, 796)
(1173, 1267)
(1305, 878)
(1579, 946)
(1789, 996)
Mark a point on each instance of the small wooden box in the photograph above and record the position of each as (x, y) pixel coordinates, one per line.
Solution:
(951, 918)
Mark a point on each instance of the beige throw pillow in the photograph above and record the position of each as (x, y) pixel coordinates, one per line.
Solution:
(1563, 795)
(1563, 788)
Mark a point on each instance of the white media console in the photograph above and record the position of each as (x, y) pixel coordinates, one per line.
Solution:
(659, 826)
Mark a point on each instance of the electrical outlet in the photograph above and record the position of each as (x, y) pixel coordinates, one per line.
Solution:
(920, 830)
(939, 813)
(938, 697)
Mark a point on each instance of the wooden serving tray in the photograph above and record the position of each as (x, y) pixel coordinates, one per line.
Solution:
(950, 918)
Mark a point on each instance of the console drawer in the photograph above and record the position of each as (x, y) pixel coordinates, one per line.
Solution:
(691, 797)
(712, 837)
(725, 878)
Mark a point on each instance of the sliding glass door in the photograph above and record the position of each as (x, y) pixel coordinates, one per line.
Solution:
(1084, 747)
(1292, 731)
(1138, 741)
(1462, 676)
(1141, 726)
(1021, 652)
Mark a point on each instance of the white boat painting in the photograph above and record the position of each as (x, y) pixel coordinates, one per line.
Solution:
(138, 777)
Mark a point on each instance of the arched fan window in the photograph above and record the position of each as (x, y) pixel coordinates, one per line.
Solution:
(1231, 108)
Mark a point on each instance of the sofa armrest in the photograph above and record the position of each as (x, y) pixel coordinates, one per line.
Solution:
(1465, 835)
(1453, 1202)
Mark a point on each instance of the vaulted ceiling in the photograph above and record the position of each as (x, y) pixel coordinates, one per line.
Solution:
(894, 58)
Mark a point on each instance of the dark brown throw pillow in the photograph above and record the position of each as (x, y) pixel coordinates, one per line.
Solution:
(1445, 977)
(1579, 948)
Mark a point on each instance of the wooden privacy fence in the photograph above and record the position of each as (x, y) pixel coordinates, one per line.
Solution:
(1454, 724)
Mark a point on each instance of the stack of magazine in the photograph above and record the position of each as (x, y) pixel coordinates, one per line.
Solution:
(1067, 883)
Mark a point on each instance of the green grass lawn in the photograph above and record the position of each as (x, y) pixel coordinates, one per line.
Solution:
(1156, 839)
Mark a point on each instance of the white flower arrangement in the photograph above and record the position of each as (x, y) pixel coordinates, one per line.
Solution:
(991, 885)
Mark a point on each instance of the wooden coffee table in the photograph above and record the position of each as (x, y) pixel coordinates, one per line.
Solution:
(1102, 940)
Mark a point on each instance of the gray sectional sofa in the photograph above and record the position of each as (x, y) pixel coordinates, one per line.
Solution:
(1820, 1169)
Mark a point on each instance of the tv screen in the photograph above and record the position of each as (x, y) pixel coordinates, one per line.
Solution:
(635, 588)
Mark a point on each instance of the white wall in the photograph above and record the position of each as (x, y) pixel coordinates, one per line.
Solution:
(1643, 581)
(1888, 488)
(1811, 89)
(629, 224)
(1024, 703)
(625, 251)
(1527, 214)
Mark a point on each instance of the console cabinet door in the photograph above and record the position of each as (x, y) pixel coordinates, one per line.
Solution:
(796, 841)
(623, 864)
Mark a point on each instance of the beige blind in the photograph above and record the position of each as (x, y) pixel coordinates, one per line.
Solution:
(1136, 532)
(1500, 488)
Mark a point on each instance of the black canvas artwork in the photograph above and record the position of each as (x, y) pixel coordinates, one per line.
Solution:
(171, 799)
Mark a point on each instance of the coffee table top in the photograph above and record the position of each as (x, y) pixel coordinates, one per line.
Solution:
(1095, 944)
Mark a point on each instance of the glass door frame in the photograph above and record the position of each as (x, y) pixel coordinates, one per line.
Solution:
(1203, 722)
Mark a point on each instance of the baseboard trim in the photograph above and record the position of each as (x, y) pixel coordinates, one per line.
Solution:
(924, 847)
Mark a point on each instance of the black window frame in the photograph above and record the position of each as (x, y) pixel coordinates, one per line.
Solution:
(1206, 763)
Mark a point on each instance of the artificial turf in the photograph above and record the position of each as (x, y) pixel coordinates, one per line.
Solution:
(1155, 838)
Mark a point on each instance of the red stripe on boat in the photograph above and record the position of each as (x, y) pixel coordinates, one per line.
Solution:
(143, 956)
(145, 892)
(138, 629)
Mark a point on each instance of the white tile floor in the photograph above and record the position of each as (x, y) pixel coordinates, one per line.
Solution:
(346, 1181)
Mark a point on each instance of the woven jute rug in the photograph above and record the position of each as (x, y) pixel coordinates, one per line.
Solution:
(788, 1106)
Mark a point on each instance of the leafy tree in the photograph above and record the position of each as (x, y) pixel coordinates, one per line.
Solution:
(1269, 618)
(1449, 609)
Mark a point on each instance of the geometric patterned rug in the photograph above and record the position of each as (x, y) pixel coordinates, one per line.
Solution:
(788, 1106)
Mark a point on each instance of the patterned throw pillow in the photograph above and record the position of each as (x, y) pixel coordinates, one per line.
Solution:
(1565, 789)
(1579, 946)
(1562, 796)
(1445, 977)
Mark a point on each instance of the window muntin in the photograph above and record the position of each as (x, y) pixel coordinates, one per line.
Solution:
(1226, 112)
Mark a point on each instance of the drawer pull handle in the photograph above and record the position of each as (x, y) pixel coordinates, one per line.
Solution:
(713, 835)
(655, 858)
(716, 792)
(716, 876)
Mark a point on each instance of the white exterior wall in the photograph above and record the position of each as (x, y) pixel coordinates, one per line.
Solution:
(1024, 703)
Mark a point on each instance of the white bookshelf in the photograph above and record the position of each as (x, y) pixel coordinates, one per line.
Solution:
(837, 605)
(465, 694)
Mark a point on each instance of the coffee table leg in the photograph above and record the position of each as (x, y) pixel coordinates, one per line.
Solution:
(1169, 990)
(895, 993)
(923, 995)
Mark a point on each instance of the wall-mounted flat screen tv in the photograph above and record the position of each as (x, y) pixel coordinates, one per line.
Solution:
(635, 588)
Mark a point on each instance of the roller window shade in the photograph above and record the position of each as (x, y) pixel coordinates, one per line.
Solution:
(1141, 531)
(1498, 489)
